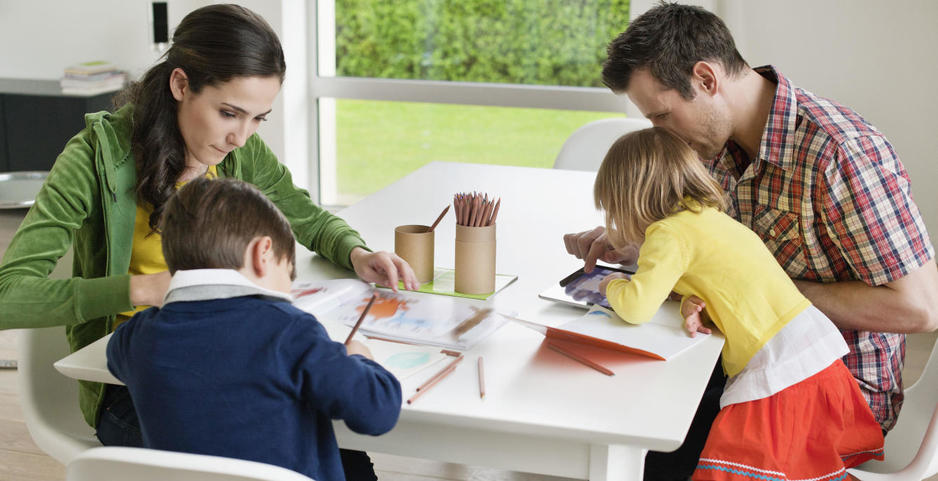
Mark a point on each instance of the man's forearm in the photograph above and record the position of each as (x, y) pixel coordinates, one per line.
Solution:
(887, 308)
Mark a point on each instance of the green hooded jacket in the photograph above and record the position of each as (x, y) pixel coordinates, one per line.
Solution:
(88, 202)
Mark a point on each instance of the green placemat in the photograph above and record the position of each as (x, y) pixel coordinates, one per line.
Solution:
(444, 283)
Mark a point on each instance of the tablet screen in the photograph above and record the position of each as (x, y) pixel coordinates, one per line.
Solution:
(581, 288)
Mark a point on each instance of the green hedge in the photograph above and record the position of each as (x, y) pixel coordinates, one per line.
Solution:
(547, 42)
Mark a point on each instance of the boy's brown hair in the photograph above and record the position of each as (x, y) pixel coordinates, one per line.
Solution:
(209, 223)
(645, 177)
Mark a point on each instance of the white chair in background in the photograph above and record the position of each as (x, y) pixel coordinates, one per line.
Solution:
(912, 445)
(139, 464)
(587, 146)
(50, 400)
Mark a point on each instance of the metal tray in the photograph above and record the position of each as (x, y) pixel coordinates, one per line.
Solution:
(18, 189)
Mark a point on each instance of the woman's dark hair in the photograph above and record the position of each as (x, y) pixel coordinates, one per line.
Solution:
(669, 40)
(209, 224)
(212, 45)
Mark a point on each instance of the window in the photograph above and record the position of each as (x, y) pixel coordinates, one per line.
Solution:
(407, 82)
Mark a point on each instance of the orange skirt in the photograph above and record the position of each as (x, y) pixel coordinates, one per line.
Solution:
(812, 430)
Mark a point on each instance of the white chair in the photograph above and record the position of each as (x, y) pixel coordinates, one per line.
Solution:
(139, 464)
(912, 445)
(50, 400)
(587, 146)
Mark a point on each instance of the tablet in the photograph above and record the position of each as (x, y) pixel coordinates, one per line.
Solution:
(581, 289)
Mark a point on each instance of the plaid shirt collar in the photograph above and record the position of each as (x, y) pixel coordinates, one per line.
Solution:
(778, 140)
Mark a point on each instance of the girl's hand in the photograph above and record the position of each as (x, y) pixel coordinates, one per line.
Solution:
(692, 310)
(611, 277)
(383, 268)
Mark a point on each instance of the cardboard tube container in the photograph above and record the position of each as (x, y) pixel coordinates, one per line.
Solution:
(414, 243)
(475, 259)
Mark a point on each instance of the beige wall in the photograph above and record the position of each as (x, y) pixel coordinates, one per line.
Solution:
(878, 57)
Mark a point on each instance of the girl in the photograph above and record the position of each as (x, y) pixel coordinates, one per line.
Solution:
(790, 410)
(193, 114)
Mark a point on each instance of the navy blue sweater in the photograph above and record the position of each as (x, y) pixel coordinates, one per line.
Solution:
(249, 378)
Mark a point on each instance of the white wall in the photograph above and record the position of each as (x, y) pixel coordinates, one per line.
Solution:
(875, 56)
(39, 38)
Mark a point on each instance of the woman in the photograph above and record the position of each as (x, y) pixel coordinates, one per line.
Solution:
(194, 114)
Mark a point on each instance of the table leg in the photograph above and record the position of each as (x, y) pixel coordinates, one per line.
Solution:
(616, 463)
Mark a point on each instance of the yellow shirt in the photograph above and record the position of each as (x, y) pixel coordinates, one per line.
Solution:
(710, 255)
(147, 253)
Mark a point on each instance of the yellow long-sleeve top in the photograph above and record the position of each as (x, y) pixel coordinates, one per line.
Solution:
(708, 254)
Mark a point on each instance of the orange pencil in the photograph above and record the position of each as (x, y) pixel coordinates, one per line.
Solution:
(581, 359)
(434, 380)
(441, 373)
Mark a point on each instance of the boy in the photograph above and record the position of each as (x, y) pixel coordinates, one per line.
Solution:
(228, 366)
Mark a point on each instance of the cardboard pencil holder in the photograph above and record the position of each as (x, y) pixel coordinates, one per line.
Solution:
(475, 259)
(414, 243)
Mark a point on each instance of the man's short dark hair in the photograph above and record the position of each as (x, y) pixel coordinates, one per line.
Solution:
(668, 40)
(209, 223)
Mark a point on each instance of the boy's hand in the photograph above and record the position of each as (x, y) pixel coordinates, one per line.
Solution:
(384, 268)
(357, 347)
(692, 310)
(611, 277)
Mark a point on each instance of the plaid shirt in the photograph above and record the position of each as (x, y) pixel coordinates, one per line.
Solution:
(830, 198)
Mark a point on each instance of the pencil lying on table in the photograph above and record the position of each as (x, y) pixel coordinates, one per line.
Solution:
(581, 359)
(435, 379)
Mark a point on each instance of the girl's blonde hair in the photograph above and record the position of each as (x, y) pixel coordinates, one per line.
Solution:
(645, 177)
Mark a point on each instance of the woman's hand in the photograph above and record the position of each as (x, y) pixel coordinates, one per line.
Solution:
(692, 310)
(149, 289)
(611, 277)
(384, 268)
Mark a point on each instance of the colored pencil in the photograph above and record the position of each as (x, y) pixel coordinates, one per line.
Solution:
(438, 219)
(495, 211)
(442, 372)
(581, 359)
(434, 380)
(481, 379)
(360, 319)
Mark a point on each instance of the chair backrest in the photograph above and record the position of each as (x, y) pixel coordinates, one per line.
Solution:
(587, 146)
(50, 400)
(911, 451)
(139, 464)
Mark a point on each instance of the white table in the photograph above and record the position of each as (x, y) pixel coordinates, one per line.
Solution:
(543, 413)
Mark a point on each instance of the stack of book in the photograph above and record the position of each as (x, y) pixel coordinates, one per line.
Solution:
(89, 78)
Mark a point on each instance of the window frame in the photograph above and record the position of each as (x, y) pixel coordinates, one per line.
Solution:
(323, 85)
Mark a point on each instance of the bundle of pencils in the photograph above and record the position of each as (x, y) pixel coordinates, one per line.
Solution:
(475, 209)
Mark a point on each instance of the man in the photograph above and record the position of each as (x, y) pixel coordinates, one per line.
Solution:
(823, 188)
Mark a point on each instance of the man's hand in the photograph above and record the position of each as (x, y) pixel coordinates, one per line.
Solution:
(592, 245)
(384, 268)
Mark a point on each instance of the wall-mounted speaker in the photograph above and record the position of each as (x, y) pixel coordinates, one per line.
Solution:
(160, 23)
